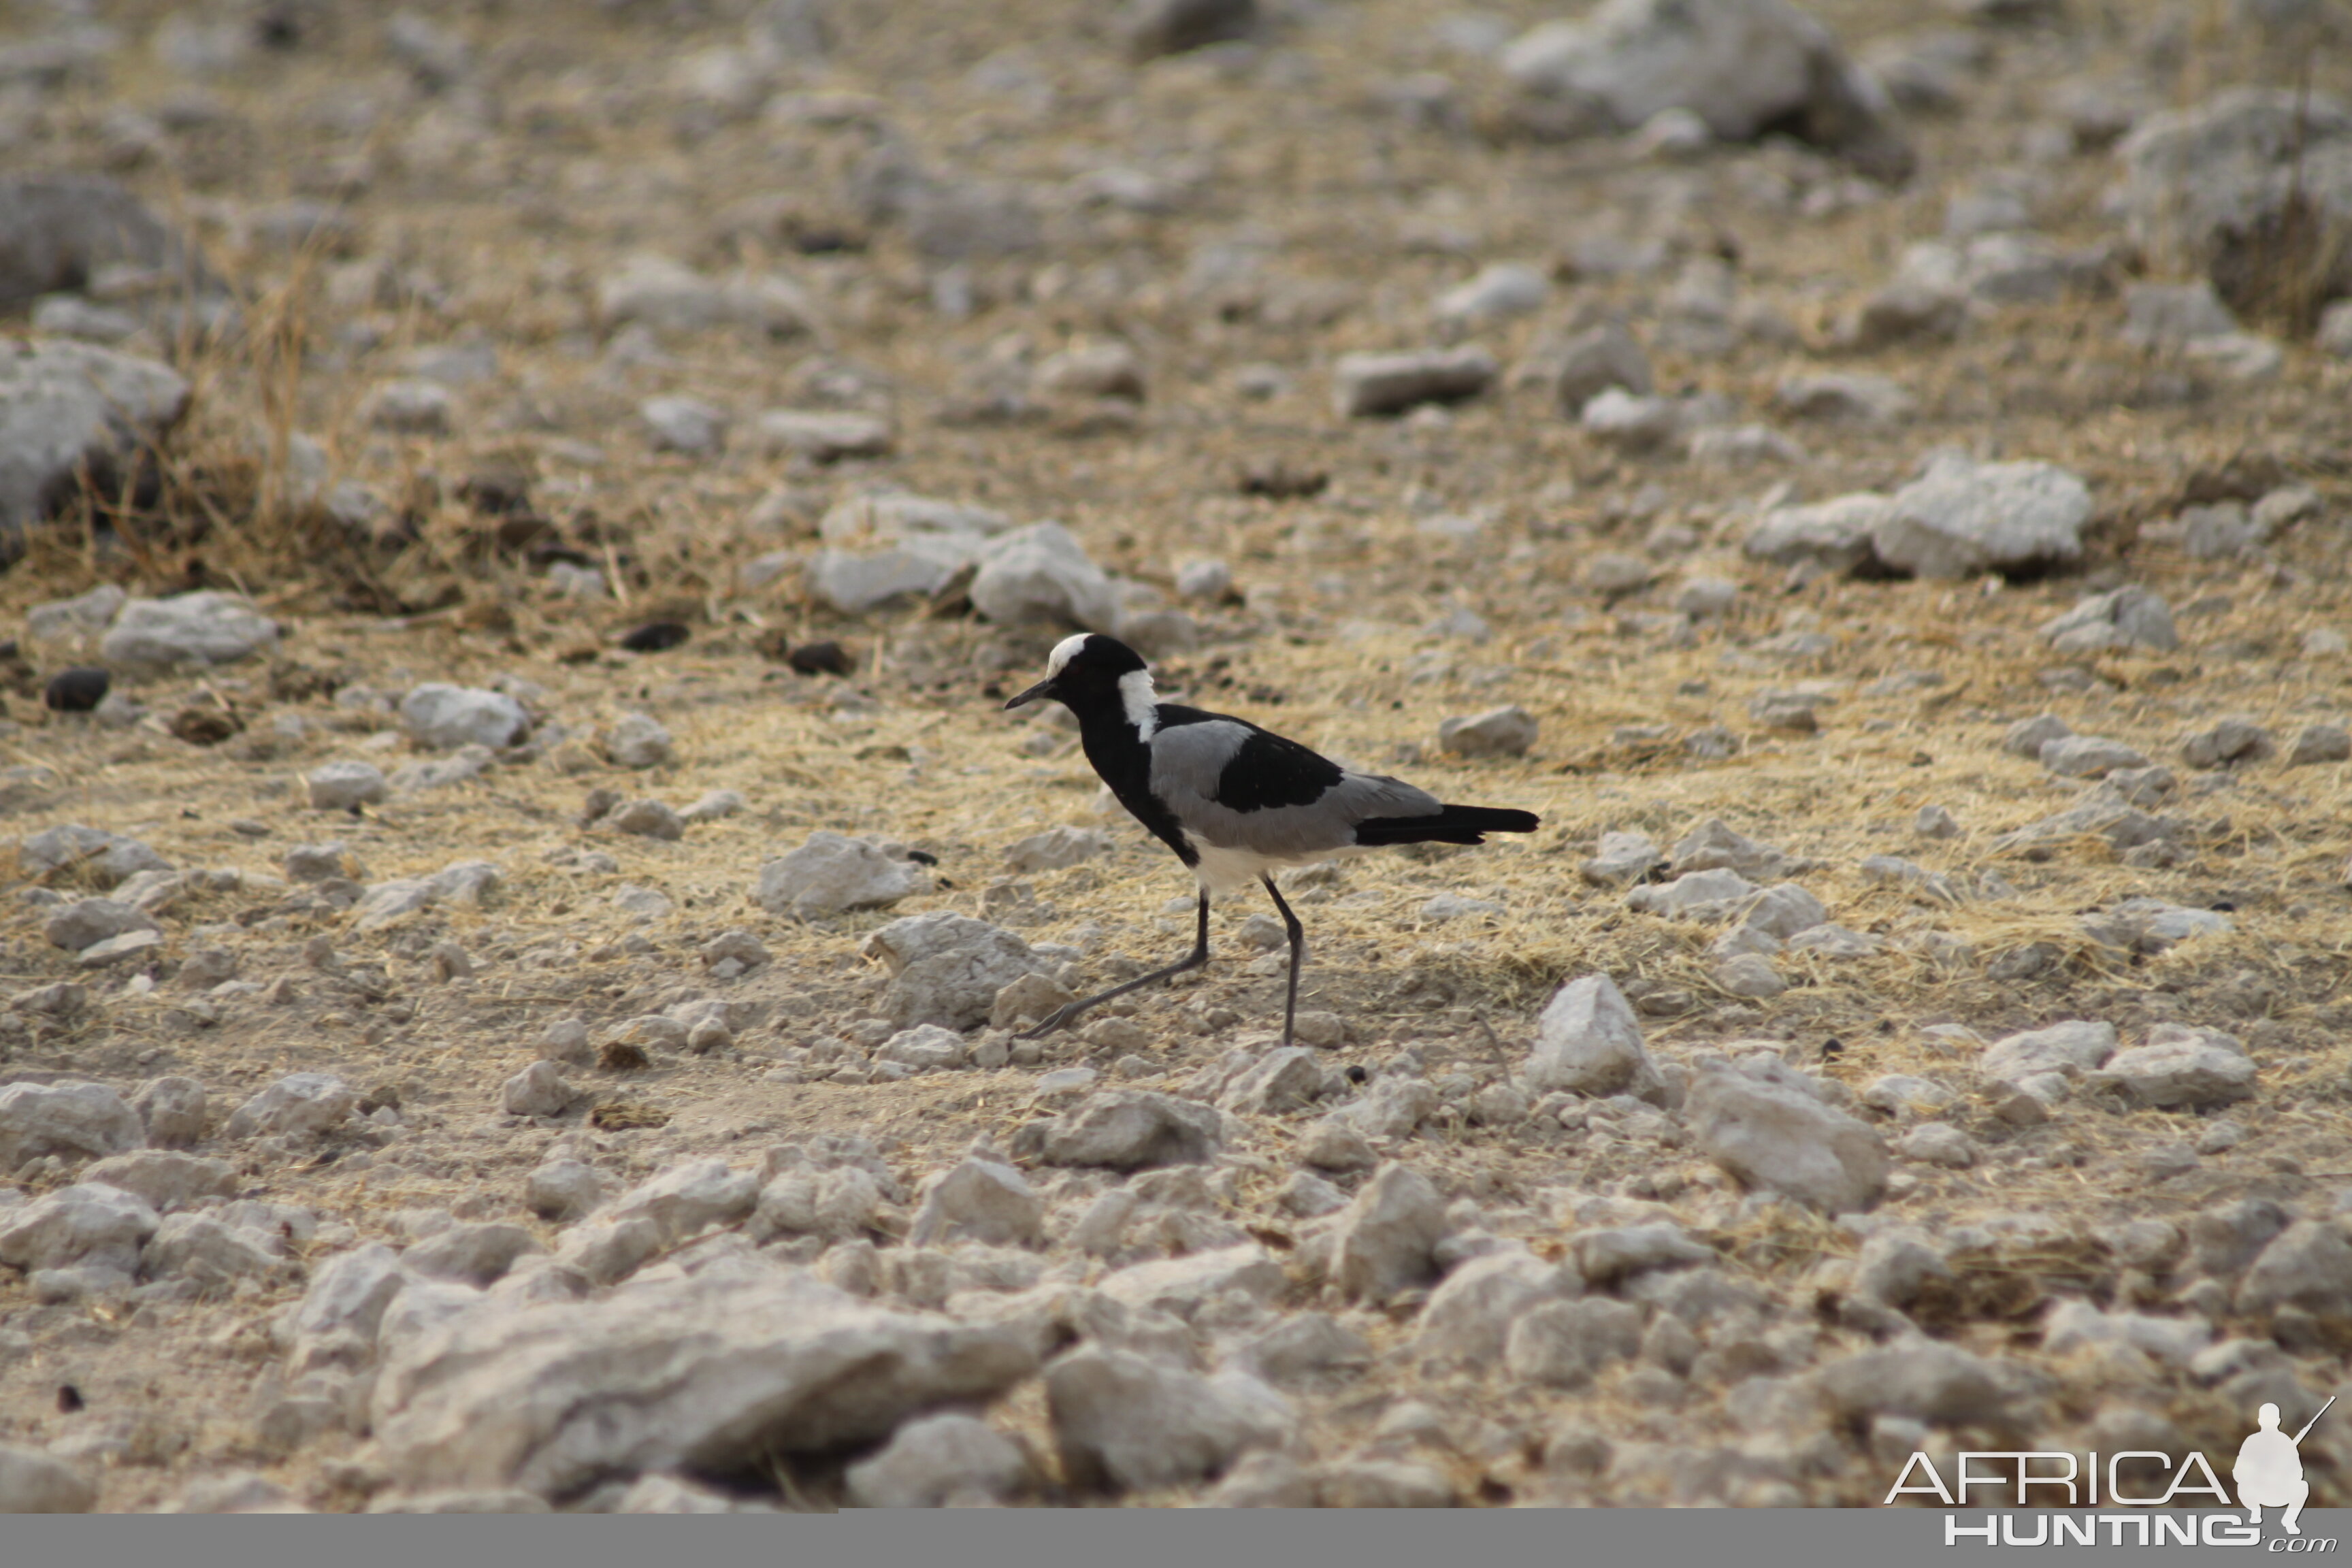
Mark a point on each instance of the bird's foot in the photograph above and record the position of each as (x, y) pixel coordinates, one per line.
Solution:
(1059, 1018)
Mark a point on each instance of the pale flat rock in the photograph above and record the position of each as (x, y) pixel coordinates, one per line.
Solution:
(2073, 1325)
(2308, 1265)
(1122, 1420)
(1962, 518)
(1919, 1378)
(979, 1200)
(670, 297)
(1833, 534)
(2204, 183)
(1056, 850)
(70, 1118)
(88, 1225)
(2121, 618)
(386, 904)
(882, 516)
(2154, 925)
(1130, 1129)
(2089, 756)
(822, 436)
(686, 1198)
(202, 628)
(1707, 896)
(1591, 363)
(1387, 1234)
(65, 631)
(1470, 1315)
(1499, 733)
(211, 1255)
(2231, 741)
(2185, 1067)
(1093, 370)
(1621, 857)
(301, 1104)
(831, 873)
(165, 1179)
(854, 582)
(34, 1482)
(1043, 573)
(1846, 396)
(338, 786)
(444, 717)
(2079, 1046)
(67, 409)
(935, 1457)
(1367, 384)
(1741, 65)
(926, 1047)
(1589, 1042)
(1715, 845)
(703, 1374)
(1285, 1079)
(87, 921)
(1503, 290)
(947, 969)
(1178, 1285)
(1605, 1257)
(1774, 1137)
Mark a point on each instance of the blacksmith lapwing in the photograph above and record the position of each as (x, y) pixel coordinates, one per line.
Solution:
(1234, 802)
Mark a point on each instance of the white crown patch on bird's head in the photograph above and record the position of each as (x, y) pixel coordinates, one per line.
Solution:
(1088, 666)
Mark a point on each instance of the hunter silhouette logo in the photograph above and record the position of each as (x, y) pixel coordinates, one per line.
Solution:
(2269, 1471)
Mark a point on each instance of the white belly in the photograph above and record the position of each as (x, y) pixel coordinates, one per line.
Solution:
(1222, 870)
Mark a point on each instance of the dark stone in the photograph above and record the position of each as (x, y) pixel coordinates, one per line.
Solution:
(1155, 28)
(205, 726)
(655, 637)
(1278, 481)
(77, 690)
(819, 658)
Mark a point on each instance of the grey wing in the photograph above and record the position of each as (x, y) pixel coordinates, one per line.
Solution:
(1298, 804)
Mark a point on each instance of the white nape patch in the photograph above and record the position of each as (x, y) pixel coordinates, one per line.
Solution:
(1142, 703)
(1064, 651)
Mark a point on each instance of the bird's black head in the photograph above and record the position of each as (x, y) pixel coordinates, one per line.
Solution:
(1089, 670)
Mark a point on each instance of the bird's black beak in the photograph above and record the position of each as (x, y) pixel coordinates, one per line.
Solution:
(1043, 688)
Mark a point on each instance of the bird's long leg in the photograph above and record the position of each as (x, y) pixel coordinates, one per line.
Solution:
(1297, 957)
(1062, 1017)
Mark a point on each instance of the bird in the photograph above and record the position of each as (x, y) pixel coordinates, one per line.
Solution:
(1234, 802)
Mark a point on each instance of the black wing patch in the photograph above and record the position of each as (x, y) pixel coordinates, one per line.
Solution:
(1270, 772)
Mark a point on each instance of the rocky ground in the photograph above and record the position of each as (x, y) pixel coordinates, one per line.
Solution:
(524, 891)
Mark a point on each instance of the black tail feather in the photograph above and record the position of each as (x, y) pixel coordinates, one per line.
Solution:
(1451, 824)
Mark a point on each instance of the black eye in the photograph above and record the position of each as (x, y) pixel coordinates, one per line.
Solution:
(922, 858)
(69, 1399)
(1356, 1075)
